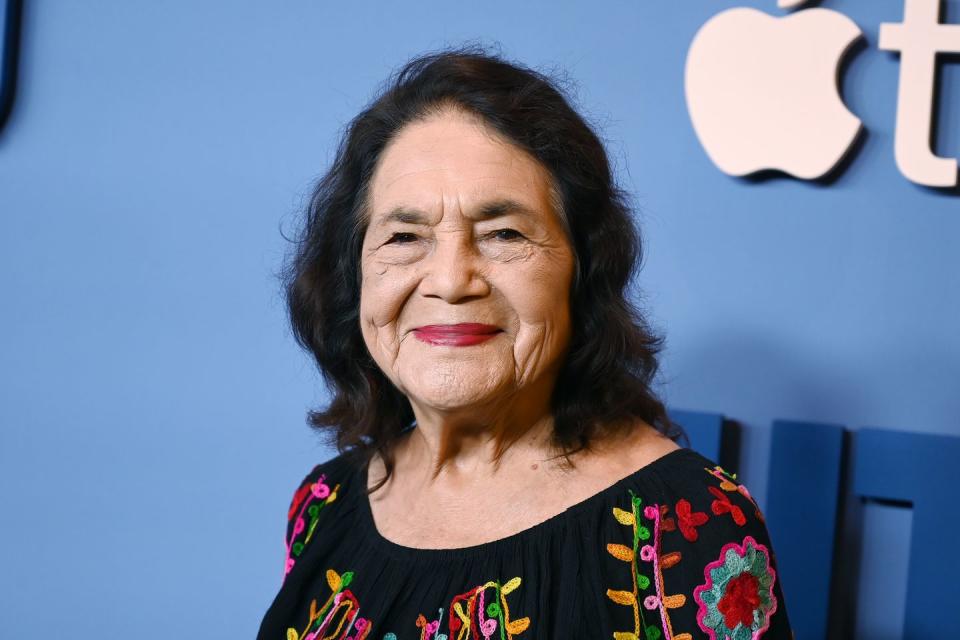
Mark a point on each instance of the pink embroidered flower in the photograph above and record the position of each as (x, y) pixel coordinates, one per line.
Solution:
(651, 602)
(320, 490)
(647, 553)
(299, 526)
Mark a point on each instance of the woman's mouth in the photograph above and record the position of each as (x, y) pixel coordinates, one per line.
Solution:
(463, 334)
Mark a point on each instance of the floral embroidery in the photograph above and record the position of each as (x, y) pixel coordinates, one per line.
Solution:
(689, 520)
(340, 608)
(728, 482)
(737, 599)
(639, 582)
(736, 602)
(654, 602)
(723, 505)
(661, 562)
(481, 612)
(469, 609)
(306, 498)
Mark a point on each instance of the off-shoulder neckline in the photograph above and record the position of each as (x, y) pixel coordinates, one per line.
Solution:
(367, 526)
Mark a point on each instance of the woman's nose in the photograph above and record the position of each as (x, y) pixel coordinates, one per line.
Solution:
(454, 270)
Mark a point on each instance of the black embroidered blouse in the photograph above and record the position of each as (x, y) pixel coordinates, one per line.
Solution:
(676, 550)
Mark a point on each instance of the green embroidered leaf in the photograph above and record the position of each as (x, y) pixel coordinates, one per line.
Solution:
(643, 581)
(652, 633)
(643, 533)
(493, 610)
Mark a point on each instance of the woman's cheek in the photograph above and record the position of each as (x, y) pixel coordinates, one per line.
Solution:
(385, 292)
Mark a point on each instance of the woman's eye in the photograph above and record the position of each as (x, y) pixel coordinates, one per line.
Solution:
(507, 234)
(401, 238)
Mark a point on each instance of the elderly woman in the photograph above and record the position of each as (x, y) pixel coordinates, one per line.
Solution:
(504, 469)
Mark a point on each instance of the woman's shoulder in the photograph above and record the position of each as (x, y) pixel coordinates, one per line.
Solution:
(325, 486)
(341, 466)
(693, 502)
(693, 545)
(328, 476)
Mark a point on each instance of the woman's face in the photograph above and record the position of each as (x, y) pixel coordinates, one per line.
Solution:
(462, 230)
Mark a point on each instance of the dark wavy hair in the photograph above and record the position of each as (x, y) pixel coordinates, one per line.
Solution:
(604, 384)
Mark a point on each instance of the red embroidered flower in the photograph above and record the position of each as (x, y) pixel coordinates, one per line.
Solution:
(741, 598)
(736, 600)
(722, 505)
(689, 520)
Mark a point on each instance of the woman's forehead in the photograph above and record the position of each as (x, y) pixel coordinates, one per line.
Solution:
(453, 160)
(485, 210)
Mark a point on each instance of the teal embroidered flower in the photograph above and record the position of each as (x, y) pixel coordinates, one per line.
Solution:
(737, 599)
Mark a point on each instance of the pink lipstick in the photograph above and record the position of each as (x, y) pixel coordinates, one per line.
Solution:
(456, 335)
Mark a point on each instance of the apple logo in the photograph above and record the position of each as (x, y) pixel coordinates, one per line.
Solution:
(762, 91)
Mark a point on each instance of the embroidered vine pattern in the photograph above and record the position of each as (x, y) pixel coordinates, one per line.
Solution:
(640, 582)
(470, 608)
(744, 596)
(341, 608)
(481, 612)
(310, 498)
(660, 562)
(736, 600)
(428, 630)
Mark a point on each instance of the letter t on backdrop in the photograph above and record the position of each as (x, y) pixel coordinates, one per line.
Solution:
(919, 38)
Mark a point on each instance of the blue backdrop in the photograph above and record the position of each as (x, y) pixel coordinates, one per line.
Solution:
(151, 397)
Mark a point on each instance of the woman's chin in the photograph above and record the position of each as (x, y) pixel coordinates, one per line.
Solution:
(453, 396)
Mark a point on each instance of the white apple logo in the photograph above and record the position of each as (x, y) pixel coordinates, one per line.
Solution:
(762, 91)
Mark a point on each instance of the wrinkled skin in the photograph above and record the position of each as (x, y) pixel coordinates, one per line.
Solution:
(513, 271)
